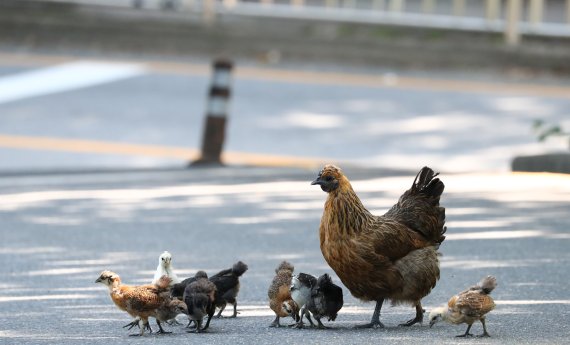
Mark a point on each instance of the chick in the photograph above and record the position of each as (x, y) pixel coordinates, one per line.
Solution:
(467, 307)
(301, 288)
(170, 308)
(227, 286)
(177, 290)
(165, 268)
(326, 300)
(279, 294)
(199, 297)
(139, 301)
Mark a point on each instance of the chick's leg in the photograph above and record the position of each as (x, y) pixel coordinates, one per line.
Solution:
(160, 329)
(235, 310)
(485, 334)
(375, 322)
(466, 334)
(419, 316)
(219, 315)
(299, 323)
(275, 322)
(320, 326)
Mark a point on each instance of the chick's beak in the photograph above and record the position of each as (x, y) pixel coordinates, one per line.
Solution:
(431, 323)
(98, 280)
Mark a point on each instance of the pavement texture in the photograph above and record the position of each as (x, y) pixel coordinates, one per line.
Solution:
(60, 231)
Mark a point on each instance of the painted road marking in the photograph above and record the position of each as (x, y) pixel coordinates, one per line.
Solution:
(65, 77)
(184, 154)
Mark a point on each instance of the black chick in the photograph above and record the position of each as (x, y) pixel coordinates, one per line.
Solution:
(177, 290)
(199, 298)
(326, 300)
(227, 286)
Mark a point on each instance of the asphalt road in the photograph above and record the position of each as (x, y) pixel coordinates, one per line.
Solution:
(60, 231)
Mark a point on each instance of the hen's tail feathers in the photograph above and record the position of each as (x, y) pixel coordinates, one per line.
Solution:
(239, 268)
(487, 284)
(427, 183)
(284, 265)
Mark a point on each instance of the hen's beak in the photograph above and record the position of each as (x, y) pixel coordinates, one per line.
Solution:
(317, 181)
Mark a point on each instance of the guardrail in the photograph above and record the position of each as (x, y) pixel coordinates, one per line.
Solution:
(513, 18)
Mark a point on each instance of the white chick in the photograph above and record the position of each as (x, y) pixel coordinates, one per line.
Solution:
(165, 268)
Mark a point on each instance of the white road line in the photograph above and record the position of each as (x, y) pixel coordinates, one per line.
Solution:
(65, 77)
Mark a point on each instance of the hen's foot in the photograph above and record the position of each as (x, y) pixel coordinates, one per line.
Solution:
(275, 324)
(412, 322)
(485, 334)
(377, 324)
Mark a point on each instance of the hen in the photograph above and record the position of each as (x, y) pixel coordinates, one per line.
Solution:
(140, 302)
(393, 256)
(468, 306)
(227, 286)
(326, 300)
(279, 294)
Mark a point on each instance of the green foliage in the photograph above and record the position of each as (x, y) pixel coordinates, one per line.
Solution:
(544, 130)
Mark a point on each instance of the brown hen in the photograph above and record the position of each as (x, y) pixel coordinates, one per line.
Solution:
(468, 306)
(393, 256)
(141, 301)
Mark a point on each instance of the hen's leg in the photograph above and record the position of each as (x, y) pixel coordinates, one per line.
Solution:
(375, 322)
(466, 334)
(419, 316)
(275, 322)
(485, 334)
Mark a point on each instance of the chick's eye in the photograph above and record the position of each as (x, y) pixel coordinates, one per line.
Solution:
(328, 178)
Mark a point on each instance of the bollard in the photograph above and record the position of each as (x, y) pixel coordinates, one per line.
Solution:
(216, 114)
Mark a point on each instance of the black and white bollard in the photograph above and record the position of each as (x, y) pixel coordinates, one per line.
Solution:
(216, 114)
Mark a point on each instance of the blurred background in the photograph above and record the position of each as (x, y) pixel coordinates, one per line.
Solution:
(459, 85)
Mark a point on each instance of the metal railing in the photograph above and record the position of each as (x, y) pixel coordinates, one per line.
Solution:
(513, 18)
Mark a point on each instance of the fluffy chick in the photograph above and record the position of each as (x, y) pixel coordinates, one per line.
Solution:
(326, 300)
(227, 286)
(467, 307)
(139, 301)
(199, 297)
(279, 294)
(301, 288)
(177, 290)
(165, 268)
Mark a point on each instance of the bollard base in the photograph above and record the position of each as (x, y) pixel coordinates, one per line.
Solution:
(206, 163)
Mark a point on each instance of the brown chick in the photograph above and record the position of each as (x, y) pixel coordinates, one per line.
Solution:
(139, 301)
(393, 256)
(279, 294)
(467, 307)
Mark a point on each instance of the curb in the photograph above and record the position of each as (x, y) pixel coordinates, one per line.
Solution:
(554, 163)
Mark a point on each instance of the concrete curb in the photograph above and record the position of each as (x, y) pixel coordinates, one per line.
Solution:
(554, 163)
